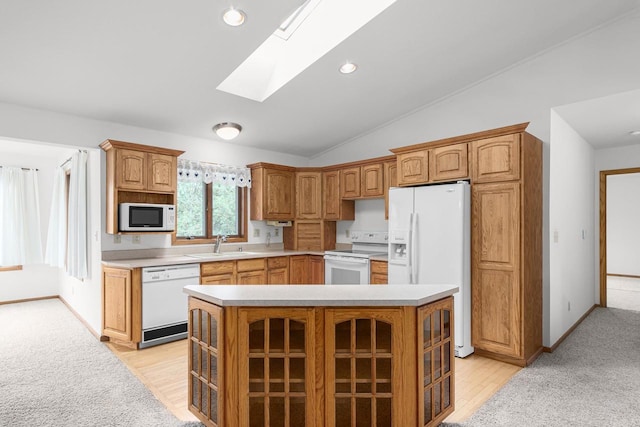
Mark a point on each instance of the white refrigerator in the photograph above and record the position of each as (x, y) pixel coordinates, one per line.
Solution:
(429, 243)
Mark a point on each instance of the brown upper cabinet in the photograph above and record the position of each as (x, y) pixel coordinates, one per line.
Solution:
(138, 174)
(334, 207)
(309, 194)
(350, 183)
(496, 159)
(442, 163)
(272, 192)
(413, 168)
(362, 180)
(390, 180)
(448, 163)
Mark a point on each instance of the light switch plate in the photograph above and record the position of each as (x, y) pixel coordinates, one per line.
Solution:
(256, 232)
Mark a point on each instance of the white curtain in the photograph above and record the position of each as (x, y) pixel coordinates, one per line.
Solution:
(20, 239)
(77, 243)
(56, 252)
(189, 170)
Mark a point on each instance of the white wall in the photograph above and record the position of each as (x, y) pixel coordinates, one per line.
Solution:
(36, 280)
(572, 224)
(623, 224)
(85, 296)
(369, 217)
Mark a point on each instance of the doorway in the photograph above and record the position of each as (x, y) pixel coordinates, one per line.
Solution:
(619, 271)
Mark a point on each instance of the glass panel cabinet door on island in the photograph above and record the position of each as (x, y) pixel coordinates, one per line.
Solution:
(206, 350)
(276, 367)
(435, 364)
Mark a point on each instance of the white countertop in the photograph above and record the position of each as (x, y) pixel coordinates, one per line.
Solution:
(320, 295)
(186, 259)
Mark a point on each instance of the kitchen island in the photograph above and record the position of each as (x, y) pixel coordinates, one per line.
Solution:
(343, 355)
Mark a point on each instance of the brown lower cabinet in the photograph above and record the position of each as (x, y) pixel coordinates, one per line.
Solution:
(379, 273)
(321, 366)
(306, 270)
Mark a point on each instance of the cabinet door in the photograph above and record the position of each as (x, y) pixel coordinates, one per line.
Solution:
(350, 183)
(413, 168)
(298, 269)
(279, 195)
(131, 171)
(206, 362)
(495, 290)
(331, 190)
(316, 270)
(363, 358)
(278, 276)
(276, 356)
(162, 173)
(372, 180)
(448, 163)
(496, 159)
(435, 362)
(258, 277)
(116, 303)
(309, 195)
(390, 180)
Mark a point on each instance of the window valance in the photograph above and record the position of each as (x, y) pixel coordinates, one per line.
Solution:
(189, 170)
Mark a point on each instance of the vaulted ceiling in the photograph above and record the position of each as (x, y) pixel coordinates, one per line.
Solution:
(156, 63)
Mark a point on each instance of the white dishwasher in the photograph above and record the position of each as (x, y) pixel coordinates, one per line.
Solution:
(164, 304)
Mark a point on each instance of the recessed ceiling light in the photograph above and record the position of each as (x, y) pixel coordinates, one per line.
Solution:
(635, 133)
(227, 130)
(348, 68)
(233, 17)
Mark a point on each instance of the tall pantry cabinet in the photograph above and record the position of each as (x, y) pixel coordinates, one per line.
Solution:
(506, 242)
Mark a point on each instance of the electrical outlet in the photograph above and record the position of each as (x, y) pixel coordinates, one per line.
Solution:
(584, 234)
(568, 305)
(555, 236)
(347, 233)
(135, 239)
(117, 238)
(276, 232)
(256, 232)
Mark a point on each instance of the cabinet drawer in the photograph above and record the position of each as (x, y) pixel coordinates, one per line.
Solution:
(213, 268)
(251, 264)
(277, 262)
(379, 267)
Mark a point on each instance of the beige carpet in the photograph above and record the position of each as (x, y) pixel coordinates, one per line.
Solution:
(591, 380)
(53, 372)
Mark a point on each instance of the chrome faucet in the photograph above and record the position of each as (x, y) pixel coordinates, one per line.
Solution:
(219, 239)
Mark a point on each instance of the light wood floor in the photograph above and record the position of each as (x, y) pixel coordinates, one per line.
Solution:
(163, 369)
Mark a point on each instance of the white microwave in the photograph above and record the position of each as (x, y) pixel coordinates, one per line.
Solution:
(147, 217)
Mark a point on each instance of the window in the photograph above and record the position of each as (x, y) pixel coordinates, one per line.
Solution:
(206, 210)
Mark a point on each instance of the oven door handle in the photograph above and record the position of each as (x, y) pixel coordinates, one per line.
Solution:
(346, 260)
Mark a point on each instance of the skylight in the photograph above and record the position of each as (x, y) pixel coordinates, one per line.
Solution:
(304, 37)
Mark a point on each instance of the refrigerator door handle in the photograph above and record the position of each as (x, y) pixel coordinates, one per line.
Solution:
(414, 248)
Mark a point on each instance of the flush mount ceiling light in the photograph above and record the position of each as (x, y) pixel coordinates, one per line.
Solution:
(348, 68)
(635, 133)
(227, 130)
(233, 17)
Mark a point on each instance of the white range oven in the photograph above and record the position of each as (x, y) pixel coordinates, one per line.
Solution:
(351, 266)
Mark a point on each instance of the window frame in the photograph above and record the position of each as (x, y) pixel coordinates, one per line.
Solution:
(243, 194)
